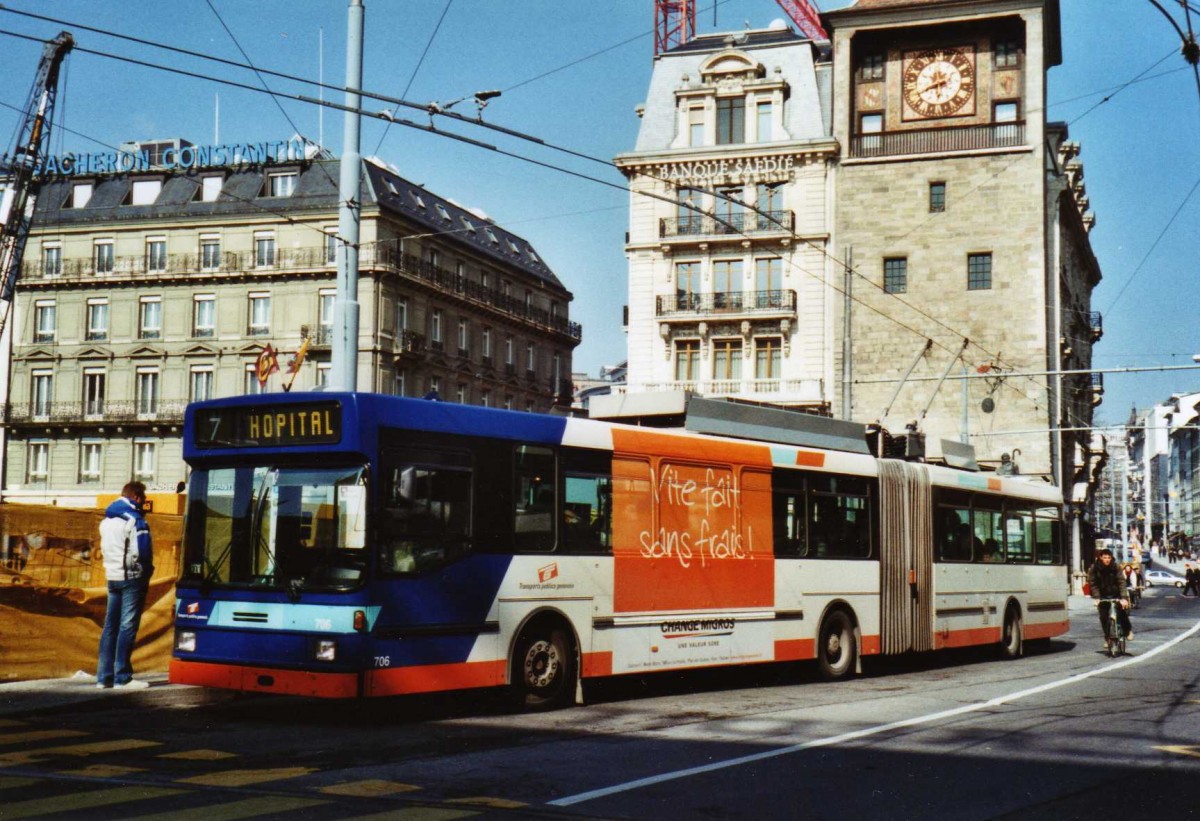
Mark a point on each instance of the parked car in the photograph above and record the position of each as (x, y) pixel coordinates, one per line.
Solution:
(1162, 577)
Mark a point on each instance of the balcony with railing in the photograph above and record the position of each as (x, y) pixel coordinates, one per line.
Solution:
(733, 302)
(94, 412)
(737, 224)
(938, 140)
(1096, 323)
(410, 344)
(783, 391)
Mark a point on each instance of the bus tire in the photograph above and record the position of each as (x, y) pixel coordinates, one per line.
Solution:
(1012, 645)
(543, 666)
(836, 647)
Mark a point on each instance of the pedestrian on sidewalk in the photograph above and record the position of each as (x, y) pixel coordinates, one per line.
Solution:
(128, 565)
(1191, 580)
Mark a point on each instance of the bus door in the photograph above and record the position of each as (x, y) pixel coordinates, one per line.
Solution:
(906, 557)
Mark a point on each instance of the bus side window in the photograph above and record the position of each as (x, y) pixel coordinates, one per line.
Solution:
(535, 499)
(1019, 532)
(789, 522)
(1047, 537)
(587, 514)
(839, 522)
(425, 516)
(954, 536)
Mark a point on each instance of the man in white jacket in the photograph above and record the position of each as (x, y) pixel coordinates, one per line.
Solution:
(128, 565)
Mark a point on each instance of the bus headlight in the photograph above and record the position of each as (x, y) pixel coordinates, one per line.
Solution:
(326, 650)
(185, 641)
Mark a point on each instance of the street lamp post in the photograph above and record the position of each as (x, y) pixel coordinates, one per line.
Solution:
(344, 370)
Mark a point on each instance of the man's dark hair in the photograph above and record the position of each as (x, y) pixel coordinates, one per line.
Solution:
(133, 490)
(1105, 552)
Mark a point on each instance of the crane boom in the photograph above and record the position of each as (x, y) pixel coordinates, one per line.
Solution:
(32, 138)
(805, 17)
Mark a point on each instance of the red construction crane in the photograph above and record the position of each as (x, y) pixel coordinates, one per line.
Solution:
(33, 136)
(675, 21)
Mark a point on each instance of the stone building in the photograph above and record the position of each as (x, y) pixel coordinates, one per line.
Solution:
(148, 288)
(731, 299)
(964, 215)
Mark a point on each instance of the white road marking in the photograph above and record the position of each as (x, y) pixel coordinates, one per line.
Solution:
(929, 718)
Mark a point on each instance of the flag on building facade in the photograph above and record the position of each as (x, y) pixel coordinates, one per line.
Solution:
(267, 364)
(293, 366)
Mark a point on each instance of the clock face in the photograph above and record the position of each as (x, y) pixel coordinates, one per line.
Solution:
(939, 83)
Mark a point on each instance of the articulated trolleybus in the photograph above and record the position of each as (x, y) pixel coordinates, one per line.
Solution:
(348, 544)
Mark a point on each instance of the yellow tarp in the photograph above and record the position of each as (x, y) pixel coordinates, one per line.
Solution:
(53, 594)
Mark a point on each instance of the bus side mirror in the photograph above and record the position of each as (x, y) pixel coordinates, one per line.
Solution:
(404, 487)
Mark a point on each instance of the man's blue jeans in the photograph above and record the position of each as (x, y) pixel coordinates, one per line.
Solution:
(121, 621)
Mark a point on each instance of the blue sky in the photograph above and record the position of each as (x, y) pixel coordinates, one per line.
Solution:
(1140, 148)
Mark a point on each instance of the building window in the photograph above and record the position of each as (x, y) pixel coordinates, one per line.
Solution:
(871, 124)
(1008, 54)
(250, 384)
(89, 460)
(210, 189)
(727, 359)
(765, 120)
(979, 272)
(147, 391)
(1006, 112)
(485, 399)
(730, 208)
(895, 275)
(435, 326)
(95, 389)
(435, 386)
(264, 250)
(871, 67)
(442, 212)
(210, 253)
(204, 315)
(727, 283)
(143, 459)
(768, 358)
(768, 282)
(399, 383)
(460, 394)
(508, 402)
(97, 319)
(687, 286)
(331, 245)
(464, 337)
(44, 321)
(508, 351)
(156, 254)
(731, 120)
(401, 315)
(103, 257)
(51, 260)
(325, 301)
(42, 394)
(688, 218)
(150, 317)
(323, 371)
(282, 185)
(37, 461)
(769, 198)
(695, 125)
(81, 194)
(687, 360)
(260, 314)
(144, 192)
(486, 343)
(201, 387)
(530, 357)
(937, 197)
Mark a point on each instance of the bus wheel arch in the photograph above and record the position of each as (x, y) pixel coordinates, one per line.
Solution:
(838, 642)
(544, 661)
(1012, 633)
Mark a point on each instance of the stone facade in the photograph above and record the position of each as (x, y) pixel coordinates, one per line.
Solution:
(128, 308)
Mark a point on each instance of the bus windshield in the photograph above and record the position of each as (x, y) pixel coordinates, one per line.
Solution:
(277, 527)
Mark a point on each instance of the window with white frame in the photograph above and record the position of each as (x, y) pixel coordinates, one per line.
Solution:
(41, 394)
(508, 402)
(464, 337)
(768, 358)
(156, 254)
(204, 315)
(37, 460)
(764, 120)
(210, 188)
(435, 385)
(250, 384)
(695, 116)
(486, 343)
(147, 391)
(731, 120)
(687, 360)
(401, 315)
(530, 357)
(145, 192)
(435, 326)
(102, 256)
(727, 359)
(210, 252)
(400, 383)
(325, 299)
(81, 194)
(200, 386)
(264, 250)
(150, 317)
(95, 391)
(143, 459)
(259, 314)
(460, 394)
(90, 451)
(51, 260)
(45, 322)
(282, 184)
(508, 351)
(485, 399)
(331, 244)
(324, 369)
(97, 319)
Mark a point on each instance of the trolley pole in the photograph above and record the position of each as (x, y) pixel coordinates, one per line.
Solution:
(344, 371)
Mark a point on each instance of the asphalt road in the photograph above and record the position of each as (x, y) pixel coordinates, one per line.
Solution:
(1064, 733)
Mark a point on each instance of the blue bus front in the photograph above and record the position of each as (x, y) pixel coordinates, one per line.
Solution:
(274, 594)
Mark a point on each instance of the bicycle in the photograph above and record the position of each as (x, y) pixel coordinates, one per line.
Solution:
(1114, 636)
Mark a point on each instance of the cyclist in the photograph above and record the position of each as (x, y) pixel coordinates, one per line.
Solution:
(1108, 582)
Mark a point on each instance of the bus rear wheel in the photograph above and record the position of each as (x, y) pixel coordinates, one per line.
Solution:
(544, 667)
(1011, 642)
(836, 647)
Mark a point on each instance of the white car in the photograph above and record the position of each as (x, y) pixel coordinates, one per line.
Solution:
(1154, 577)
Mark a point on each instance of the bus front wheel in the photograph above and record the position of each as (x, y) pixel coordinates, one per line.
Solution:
(836, 648)
(544, 669)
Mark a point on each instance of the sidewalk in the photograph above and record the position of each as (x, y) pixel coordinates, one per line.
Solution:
(43, 694)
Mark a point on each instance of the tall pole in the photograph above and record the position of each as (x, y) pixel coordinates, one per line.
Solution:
(847, 347)
(344, 370)
(1125, 504)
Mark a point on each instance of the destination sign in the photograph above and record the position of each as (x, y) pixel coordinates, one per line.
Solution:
(310, 423)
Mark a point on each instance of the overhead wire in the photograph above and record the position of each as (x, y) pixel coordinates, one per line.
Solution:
(412, 77)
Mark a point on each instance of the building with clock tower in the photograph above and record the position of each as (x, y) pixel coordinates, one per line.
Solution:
(962, 215)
